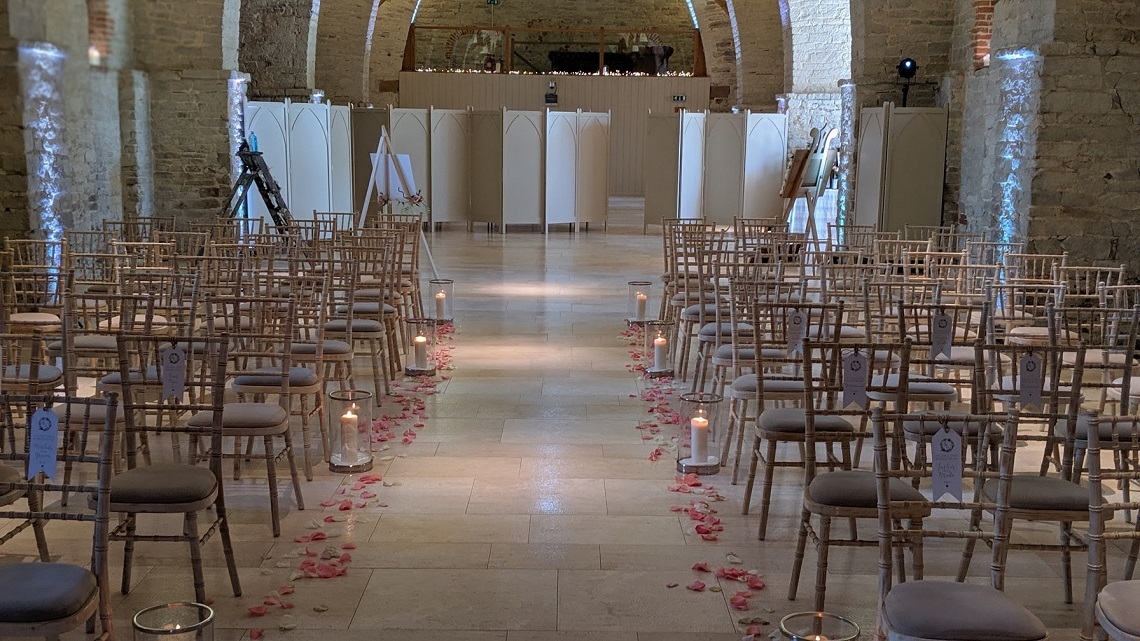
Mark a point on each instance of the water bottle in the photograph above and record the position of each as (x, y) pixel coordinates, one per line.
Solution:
(253, 142)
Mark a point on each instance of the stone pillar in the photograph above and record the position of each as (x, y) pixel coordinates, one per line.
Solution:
(341, 33)
(275, 47)
(13, 164)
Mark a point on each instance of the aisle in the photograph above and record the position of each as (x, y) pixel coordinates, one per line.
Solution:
(526, 506)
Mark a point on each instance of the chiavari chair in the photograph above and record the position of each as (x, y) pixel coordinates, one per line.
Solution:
(1029, 269)
(137, 229)
(1032, 378)
(697, 301)
(983, 252)
(45, 598)
(676, 271)
(176, 487)
(946, 610)
(1083, 283)
(1110, 608)
(830, 416)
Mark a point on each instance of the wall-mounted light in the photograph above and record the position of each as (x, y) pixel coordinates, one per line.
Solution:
(317, 97)
(94, 56)
(907, 69)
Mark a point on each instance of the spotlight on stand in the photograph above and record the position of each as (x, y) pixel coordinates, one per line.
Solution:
(907, 69)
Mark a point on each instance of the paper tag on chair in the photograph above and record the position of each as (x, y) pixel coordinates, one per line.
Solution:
(855, 380)
(43, 444)
(941, 335)
(797, 330)
(173, 372)
(1030, 381)
(946, 463)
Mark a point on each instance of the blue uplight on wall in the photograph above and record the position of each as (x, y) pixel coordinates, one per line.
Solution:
(1017, 141)
(692, 14)
(41, 83)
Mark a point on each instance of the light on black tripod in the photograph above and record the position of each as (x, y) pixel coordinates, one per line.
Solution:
(907, 68)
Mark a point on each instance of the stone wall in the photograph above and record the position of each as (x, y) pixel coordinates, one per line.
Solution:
(1088, 171)
(760, 30)
(886, 31)
(821, 46)
(275, 48)
(341, 32)
(13, 165)
(137, 169)
(434, 48)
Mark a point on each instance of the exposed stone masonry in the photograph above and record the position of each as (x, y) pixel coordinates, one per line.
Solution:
(274, 47)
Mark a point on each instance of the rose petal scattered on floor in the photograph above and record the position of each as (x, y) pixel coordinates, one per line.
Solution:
(696, 586)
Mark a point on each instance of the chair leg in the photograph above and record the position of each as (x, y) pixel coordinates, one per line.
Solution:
(271, 476)
(291, 457)
(190, 529)
(821, 565)
(968, 552)
(801, 545)
(751, 474)
(733, 405)
(322, 422)
(228, 547)
(1067, 561)
(1130, 562)
(306, 440)
(739, 447)
(128, 554)
(35, 504)
(766, 491)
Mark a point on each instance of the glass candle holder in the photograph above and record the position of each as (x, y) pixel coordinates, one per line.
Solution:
(441, 296)
(818, 626)
(175, 622)
(698, 444)
(658, 349)
(419, 359)
(640, 292)
(350, 431)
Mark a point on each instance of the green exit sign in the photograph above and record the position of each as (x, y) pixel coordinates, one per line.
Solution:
(492, 1)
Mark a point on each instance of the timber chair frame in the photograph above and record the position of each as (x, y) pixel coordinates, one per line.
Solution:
(97, 603)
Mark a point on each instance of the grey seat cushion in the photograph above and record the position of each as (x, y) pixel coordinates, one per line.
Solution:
(358, 325)
(724, 352)
(244, 416)
(950, 611)
(962, 355)
(709, 330)
(686, 297)
(116, 378)
(366, 308)
(710, 310)
(1117, 603)
(747, 384)
(79, 410)
(1097, 357)
(9, 474)
(1124, 427)
(1031, 492)
(88, 342)
(23, 373)
(331, 347)
(33, 318)
(271, 377)
(856, 489)
(163, 484)
(846, 332)
(792, 420)
(916, 385)
(44, 591)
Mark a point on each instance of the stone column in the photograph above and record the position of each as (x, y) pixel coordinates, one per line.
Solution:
(13, 164)
(275, 47)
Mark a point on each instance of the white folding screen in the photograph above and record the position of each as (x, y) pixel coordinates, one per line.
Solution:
(450, 189)
(901, 167)
(592, 200)
(662, 158)
(724, 167)
(268, 122)
(340, 159)
(561, 167)
(523, 167)
(690, 182)
(871, 148)
(765, 160)
(409, 132)
(915, 169)
(485, 164)
(309, 166)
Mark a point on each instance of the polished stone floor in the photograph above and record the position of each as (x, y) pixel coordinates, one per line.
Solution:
(527, 507)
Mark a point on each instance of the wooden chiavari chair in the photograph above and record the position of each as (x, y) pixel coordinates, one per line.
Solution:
(45, 598)
(921, 609)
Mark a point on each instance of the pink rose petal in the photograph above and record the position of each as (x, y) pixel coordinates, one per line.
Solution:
(696, 586)
(258, 610)
(701, 567)
(256, 633)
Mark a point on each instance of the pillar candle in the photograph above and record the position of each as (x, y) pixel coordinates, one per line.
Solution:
(439, 300)
(348, 434)
(421, 352)
(642, 299)
(700, 439)
(659, 355)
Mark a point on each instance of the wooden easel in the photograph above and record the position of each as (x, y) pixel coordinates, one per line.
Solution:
(807, 177)
(405, 188)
